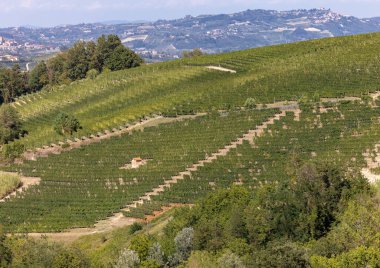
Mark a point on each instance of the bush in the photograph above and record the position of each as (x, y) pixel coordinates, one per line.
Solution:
(5, 252)
(281, 253)
(92, 74)
(71, 258)
(184, 243)
(128, 259)
(66, 124)
(150, 264)
(135, 227)
(156, 254)
(202, 259)
(194, 53)
(141, 245)
(230, 260)
(359, 257)
(250, 103)
(13, 150)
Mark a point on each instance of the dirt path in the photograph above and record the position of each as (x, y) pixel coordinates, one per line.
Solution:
(249, 136)
(104, 226)
(26, 182)
(218, 68)
(57, 149)
(340, 99)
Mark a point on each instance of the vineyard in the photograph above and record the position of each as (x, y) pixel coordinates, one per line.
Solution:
(322, 68)
(89, 184)
(341, 133)
(82, 186)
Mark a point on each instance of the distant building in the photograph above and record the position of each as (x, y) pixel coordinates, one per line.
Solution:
(2, 40)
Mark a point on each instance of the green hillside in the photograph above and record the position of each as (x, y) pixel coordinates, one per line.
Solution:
(347, 66)
(286, 123)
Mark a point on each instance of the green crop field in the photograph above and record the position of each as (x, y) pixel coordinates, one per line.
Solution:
(341, 135)
(322, 68)
(85, 185)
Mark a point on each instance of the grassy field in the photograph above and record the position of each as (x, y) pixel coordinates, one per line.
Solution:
(8, 182)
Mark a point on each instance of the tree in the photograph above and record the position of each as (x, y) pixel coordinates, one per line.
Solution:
(66, 124)
(12, 83)
(196, 52)
(77, 61)
(38, 77)
(56, 69)
(100, 54)
(10, 124)
(184, 242)
(319, 190)
(122, 58)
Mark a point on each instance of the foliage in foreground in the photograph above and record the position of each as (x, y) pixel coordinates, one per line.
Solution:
(277, 225)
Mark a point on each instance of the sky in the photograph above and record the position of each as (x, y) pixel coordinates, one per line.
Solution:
(45, 13)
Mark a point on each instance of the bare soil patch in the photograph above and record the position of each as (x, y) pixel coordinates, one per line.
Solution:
(218, 68)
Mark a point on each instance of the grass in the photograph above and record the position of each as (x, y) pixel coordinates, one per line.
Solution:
(8, 183)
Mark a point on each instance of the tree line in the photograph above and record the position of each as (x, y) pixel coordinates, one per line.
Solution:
(83, 60)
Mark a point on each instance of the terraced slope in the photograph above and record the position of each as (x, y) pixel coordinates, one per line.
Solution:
(88, 184)
(347, 66)
(341, 133)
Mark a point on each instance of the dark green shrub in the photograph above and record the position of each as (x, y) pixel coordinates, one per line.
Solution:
(66, 124)
(135, 227)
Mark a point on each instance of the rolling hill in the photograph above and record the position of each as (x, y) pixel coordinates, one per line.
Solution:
(316, 98)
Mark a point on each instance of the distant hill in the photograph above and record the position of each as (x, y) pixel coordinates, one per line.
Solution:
(166, 39)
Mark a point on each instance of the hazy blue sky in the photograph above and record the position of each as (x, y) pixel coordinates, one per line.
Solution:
(55, 12)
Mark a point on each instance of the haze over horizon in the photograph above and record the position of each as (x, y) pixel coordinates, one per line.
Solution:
(46, 13)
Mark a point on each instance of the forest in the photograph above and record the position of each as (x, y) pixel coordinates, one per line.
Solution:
(83, 60)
